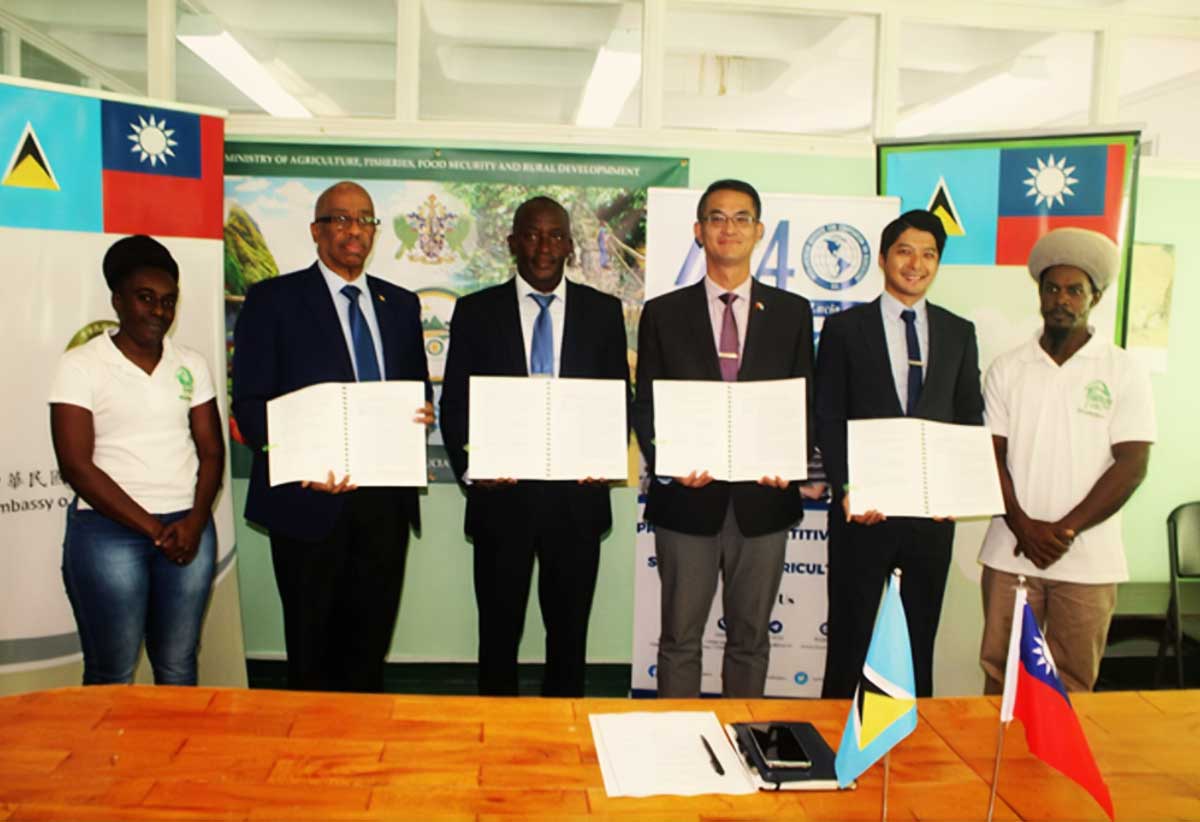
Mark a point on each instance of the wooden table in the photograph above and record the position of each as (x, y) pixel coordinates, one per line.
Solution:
(201, 753)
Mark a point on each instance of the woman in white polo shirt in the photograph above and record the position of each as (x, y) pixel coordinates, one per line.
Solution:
(138, 436)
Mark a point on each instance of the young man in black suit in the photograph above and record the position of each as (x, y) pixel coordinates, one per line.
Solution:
(536, 323)
(726, 327)
(338, 550)
(898, 355)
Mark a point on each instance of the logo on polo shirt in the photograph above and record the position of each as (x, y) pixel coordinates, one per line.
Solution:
(186, 383)
(1097, 399)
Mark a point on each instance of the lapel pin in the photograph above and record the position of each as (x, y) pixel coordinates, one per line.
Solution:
(382, 298)
(758, 306)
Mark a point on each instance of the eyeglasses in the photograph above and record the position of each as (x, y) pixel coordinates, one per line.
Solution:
(342, 221)
(718, 219)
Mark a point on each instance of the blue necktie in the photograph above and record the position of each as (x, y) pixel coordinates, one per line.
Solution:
(914, 360)
(360, 335)
(541, 350)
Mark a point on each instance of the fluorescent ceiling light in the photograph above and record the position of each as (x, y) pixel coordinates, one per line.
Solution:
(614, 75)
(238, 66)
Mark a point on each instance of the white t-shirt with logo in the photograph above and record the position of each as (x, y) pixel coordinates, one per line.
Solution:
(1061, 423)
(141, 421)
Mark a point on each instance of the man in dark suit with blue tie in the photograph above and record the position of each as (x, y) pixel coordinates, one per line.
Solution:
(536, 324)
(338, 550)
(896, 356)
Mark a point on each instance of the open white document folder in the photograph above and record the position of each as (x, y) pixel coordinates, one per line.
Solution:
(361, 429)
(736, 431)
(907, 467)
(534, 428)
(649, 753)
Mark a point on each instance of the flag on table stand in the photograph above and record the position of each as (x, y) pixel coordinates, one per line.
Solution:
(1034, 694)
(885, 708)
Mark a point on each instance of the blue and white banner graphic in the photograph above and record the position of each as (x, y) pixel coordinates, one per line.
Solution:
(824, 248)
(797, 622)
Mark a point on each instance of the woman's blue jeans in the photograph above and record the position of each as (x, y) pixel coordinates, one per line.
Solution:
(123, 589)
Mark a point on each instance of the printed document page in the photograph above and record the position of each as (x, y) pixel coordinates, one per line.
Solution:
(770, 430)
(906, 467)
(652, 753)
(737, 431)
(364, 429)
(962, 474)
(506, 431)
(691, 428)
(589, 430)
(547, 429)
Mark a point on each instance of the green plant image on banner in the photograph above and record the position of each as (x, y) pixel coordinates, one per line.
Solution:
(446, 216)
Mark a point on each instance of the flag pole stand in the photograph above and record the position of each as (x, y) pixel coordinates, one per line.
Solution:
(887, 772)
(996, 770)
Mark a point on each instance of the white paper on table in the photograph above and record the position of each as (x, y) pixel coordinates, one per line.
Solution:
(361, 429)
(547, 429)
(908, 467)
(648, 753)
(737, 431)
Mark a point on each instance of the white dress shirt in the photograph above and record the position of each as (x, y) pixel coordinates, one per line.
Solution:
(897, 342)
(716, 310)
(341, 305)
(529, 314)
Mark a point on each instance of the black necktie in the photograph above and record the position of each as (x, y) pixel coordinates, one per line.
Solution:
(914, 360)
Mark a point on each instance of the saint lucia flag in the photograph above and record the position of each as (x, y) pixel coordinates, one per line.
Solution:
(885, 708)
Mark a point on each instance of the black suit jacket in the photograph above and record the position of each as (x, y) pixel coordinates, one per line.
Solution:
(675, 342)
(288, 336)
(854, 378)
(486, 340)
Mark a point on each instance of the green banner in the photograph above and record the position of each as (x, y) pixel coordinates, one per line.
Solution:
(452, 165)
(446, 215)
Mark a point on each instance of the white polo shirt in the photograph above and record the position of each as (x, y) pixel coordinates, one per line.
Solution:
(1061, 423)
(141, 421)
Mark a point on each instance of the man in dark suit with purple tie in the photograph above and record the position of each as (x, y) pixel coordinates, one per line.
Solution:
(896, 356)
(338, 551)
(537, 323)
(727, 327)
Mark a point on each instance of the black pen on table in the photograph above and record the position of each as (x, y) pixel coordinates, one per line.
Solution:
(712, 757)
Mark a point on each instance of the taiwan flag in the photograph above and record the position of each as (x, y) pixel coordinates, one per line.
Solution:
(1053, 186)
(163, 171)
(1034, 694)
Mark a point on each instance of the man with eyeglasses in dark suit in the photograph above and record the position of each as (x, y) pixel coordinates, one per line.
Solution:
(727, 327)
(338, 550)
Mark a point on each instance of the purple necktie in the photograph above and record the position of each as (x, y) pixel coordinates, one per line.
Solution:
(728, 353)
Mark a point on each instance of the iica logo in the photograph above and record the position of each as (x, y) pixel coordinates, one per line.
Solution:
(776, 626)
(836, 256)
(824, 629)
(801, 678)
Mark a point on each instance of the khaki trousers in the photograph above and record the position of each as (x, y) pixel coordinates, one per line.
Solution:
(1074, 618)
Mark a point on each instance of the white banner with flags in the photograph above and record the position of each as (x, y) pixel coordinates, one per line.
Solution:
(826, 249)
(83, 170)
